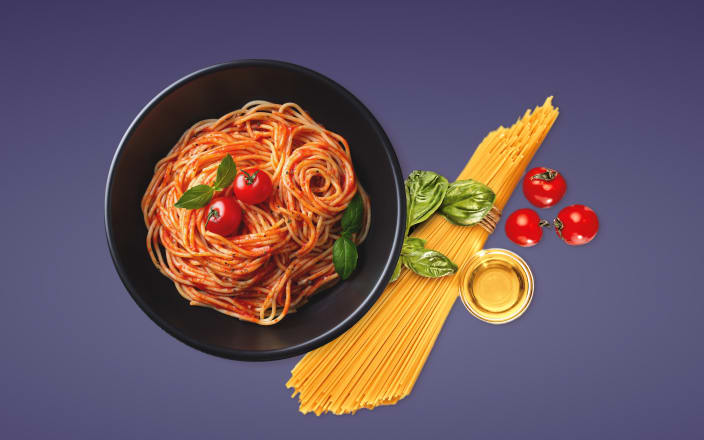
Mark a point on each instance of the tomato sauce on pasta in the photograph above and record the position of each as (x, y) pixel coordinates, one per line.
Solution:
(282, 253)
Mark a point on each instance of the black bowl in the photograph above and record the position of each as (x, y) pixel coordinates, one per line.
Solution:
(210, 93)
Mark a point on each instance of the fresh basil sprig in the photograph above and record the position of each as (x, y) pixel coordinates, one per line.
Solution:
(425, 191)
(226, 173)
(344, 257)
(425, 262)
(464, 202)
(344, 251)
(352, 217)
(196, 197)
(199, 195)
(397, 271)
(467, 202)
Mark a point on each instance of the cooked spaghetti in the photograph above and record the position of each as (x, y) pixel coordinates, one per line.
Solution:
(379, 359)
(283, 252)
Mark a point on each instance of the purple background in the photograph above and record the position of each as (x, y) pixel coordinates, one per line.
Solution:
(611, 346)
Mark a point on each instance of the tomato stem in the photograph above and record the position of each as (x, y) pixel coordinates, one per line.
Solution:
(558, 226)
(212, 213)
(547, 176)
(544, 224)
(249, 178)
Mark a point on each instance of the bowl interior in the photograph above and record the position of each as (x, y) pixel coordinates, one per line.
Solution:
(210, 94)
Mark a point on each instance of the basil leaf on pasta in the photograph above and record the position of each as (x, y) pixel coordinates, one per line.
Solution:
(467, 202)
(397, 271)
(344, 257)
(429, 263)
(199, 195)
(196, 197)
(425, 262)
(412, 244)
(352, 217)
(226, 173)
(426, 191)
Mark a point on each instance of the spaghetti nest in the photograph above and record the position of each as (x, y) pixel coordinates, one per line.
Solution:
(282, 253)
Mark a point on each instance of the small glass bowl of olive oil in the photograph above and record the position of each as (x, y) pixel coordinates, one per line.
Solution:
(496, 286)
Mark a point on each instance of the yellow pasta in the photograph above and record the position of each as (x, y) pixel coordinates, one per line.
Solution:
(378, 360)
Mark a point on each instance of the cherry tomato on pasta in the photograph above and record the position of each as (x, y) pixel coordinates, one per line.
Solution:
(576, 224)
(524, 227)
(252, 186)
(223, 216)
(544, 187)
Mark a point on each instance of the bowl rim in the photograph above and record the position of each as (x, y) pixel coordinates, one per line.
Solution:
(350, 319)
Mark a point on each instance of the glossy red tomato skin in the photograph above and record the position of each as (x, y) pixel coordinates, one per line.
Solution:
(523, 227)
(256, 191)
(580, 224)
(228, 216)
(543, 193)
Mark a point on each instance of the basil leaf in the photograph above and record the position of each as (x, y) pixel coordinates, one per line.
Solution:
(226, 173)
(426, 191)
(408, 206)
(344, 257)
(467, 202)
(429, 263)
(352, 217)
(412, 244)
(425, 262)
(196, 197)
(397, 271)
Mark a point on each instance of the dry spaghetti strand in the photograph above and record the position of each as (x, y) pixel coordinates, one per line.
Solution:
(283, 253)
(378, 360)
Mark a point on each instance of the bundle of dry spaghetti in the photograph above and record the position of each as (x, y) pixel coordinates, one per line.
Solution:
(378, 360)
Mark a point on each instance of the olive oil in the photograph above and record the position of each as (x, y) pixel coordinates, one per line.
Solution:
(496, 286)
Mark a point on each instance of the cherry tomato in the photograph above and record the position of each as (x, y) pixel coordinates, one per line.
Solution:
(224, 216)
(576, 224)
(524, 227)
(252, 186)
(543, 187)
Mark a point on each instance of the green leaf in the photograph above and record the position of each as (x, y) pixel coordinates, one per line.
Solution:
(425, 192)
(344, 257)
(352, 217)
(397, 271)
(226, 173)
(425, 262)
(467, 202)
(412, 244)
(408, 205)
(196, 197)
(429, 263)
